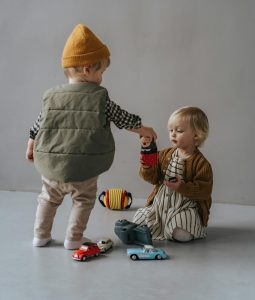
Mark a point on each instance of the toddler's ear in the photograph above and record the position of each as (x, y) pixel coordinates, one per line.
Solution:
(86, 69)
(196, 139)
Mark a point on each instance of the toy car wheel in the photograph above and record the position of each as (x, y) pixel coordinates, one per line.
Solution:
(84, 258)
(134, 257)
(158, 257)
(96, 254)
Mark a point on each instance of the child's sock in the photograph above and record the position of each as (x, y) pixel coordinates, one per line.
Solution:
(182, 235)
(41, 242)
(71, 245)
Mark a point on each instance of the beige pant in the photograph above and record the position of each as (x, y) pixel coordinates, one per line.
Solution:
(83, 197)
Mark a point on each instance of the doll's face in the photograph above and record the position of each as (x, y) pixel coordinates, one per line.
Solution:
(145, 141)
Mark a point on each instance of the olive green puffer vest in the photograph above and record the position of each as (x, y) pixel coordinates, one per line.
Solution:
(75, 141)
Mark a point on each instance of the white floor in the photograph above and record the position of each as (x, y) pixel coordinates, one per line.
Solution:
(220, 267)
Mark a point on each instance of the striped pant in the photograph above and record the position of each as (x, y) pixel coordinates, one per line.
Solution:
(170, 209)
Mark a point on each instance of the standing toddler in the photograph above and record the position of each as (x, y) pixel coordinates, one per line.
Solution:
(71, 142)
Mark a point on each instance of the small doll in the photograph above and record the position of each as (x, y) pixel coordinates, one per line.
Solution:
(149, 152)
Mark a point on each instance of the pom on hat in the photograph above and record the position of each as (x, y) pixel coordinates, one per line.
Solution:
(83, 47)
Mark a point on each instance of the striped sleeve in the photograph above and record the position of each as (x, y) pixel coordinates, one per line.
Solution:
(35, 128)
(120, 117)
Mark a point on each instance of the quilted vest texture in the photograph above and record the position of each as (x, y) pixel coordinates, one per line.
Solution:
(75, 141)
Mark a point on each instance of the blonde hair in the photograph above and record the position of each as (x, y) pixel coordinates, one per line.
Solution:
(77, 72)
(196, 119)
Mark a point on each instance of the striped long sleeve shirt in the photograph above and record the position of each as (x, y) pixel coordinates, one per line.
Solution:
(113, 112)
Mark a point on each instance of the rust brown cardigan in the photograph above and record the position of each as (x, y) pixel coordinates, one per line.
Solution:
(198, 180)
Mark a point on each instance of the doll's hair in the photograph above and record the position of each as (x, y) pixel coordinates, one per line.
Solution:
(77, 72)
(196, 119)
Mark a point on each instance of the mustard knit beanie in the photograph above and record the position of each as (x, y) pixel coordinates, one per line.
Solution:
(83, 47)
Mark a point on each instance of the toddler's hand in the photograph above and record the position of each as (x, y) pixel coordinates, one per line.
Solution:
(173, 185)
(29, 151)
(29, 155)
(147, 132)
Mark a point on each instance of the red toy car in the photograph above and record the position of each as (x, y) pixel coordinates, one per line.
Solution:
(86, 250)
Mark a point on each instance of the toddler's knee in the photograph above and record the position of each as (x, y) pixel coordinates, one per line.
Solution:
(182, 235)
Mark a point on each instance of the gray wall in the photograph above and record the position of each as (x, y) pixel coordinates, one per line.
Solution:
(165, 54)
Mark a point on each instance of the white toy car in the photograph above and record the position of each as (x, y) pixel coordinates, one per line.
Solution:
(105, 244)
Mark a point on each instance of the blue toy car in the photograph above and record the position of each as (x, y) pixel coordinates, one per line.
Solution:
(147, 252)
